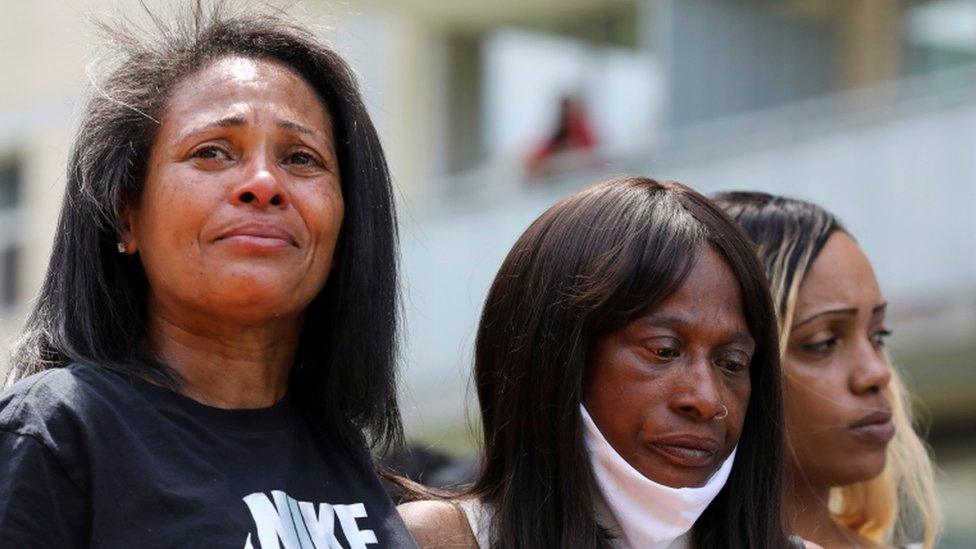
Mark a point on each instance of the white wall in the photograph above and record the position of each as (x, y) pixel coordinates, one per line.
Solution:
(527, 73)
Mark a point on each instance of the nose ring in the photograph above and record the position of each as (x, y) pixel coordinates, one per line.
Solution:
(723, 414)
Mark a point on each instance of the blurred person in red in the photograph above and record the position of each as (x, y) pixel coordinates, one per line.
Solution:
(573, 132)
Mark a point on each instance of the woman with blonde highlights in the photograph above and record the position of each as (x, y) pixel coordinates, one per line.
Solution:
(857, 473)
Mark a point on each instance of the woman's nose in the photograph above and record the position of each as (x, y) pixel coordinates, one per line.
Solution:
(261, 188)
(696, 393)
(870, 372)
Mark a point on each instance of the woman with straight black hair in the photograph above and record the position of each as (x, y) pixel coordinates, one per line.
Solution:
(628, 377)
(212, 354)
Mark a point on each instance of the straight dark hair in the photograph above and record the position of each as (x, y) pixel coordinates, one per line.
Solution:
(91, 307)
(788, 234)
(588, 265)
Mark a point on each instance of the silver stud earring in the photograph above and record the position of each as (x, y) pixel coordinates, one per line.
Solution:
(122, 247)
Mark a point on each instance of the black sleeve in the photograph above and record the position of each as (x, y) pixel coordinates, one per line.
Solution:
(40, 506)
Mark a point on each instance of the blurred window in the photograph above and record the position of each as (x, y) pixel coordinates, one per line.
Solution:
(11, 188)
(10, 264)
(940, 34)
(480, 74)
(10, 183)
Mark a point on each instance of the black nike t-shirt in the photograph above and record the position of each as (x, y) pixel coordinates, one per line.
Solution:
(93, 458)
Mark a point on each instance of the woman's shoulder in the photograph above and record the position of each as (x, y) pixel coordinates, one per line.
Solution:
(439, 523)
(38, 404)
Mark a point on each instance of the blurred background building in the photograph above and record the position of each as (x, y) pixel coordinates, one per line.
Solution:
(491, 111)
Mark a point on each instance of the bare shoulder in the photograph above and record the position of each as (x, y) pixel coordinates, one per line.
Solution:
(797, 541)
(436, 524)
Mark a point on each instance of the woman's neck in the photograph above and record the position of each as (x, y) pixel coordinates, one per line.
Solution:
(806, 506)
(224, 364)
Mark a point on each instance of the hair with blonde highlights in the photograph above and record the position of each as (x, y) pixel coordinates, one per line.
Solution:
(900, 504)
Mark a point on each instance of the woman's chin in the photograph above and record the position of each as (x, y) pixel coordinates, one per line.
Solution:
(255, 303)
(266, 286)
(857, 469)
(677, 475)
(871, 466)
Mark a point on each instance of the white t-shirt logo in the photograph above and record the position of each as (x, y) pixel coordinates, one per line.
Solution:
(299, 525)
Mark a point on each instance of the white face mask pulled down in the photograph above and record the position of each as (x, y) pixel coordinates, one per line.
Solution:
(649, 515)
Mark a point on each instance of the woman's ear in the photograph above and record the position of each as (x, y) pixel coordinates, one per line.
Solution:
(128, 241)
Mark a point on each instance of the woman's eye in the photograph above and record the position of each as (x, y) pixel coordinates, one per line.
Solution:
(734, 362)
(821, 347)
(301, 158)
(732, 365)
(878, 338)
(209, 153)
(665, 353)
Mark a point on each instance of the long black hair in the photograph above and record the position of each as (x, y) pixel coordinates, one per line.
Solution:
(588, 265)
(91, 307)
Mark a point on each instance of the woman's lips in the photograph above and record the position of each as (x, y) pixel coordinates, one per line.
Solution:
(687, 450)
(258, 237)
(876, 428)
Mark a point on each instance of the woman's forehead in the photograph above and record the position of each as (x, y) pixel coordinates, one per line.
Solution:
(233, 87)
(708, 297)
(841, 275)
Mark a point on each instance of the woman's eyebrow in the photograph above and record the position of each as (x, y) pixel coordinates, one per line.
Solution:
(848, 311)
(851, 311)
(226, 122)
(298, 127)
(669, 320)
(235, 120)
(743, 338)
(677, 320)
